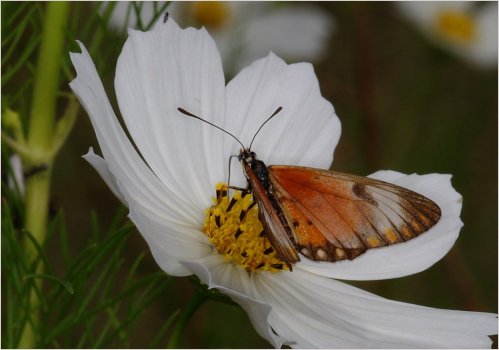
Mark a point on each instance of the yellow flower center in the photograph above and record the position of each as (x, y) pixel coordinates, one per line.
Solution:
(456, 26)
(233, 227)
(211, 14)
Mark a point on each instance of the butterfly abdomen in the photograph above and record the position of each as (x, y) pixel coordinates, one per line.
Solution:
(261, 172)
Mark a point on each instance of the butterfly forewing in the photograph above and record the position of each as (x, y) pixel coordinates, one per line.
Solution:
(336, 216)
(274, 227)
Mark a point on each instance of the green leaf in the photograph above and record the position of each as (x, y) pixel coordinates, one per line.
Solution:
(67, 285)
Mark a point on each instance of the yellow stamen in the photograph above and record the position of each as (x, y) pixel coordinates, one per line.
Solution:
(456, 26)
(233, 227)
(211, 14)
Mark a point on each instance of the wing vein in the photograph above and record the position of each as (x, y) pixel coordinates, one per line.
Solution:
(369, 221)
(342, 218)
(310, 215)
(409, 212)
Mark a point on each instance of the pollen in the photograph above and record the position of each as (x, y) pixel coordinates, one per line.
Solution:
(233, 227)
(456, 26)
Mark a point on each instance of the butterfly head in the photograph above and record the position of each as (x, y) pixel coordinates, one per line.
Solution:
(247, 156)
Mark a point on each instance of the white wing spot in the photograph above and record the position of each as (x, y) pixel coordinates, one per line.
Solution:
(321, 254)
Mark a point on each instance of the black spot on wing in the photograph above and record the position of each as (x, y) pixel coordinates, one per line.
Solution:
(361, 192)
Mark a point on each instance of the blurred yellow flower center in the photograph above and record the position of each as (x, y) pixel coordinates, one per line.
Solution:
(456, 26)
(233, 227)
(211, 14)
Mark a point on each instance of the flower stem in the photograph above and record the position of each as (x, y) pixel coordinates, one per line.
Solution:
(47, 76)
(196, 301)
(40, 138)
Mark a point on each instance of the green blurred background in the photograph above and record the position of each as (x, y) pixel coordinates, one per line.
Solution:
(405, 104)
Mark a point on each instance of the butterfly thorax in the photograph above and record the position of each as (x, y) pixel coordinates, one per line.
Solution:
(258, 167)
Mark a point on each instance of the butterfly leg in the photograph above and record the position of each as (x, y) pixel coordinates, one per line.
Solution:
(237, 188)
(228, 180)
(244, 191)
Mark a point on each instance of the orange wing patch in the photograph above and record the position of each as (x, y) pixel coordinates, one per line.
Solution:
(336, 216)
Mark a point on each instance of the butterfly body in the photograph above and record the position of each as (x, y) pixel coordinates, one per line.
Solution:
(270, 214)
(331, 216)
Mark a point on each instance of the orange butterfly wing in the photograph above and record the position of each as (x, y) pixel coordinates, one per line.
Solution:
(336, 216)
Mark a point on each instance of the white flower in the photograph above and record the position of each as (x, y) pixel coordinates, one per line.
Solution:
(463, 27)
(169, 186)
(245, 31)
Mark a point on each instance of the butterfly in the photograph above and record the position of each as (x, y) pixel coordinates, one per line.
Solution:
(330, 216)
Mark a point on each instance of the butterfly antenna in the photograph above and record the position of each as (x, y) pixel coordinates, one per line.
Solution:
(183, 111)
(265, 122)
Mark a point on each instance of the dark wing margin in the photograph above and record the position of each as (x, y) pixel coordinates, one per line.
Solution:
(336, 216)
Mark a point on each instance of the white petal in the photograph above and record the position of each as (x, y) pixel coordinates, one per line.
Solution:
(305, 132)
(408, 257)
(170, 242)
(297, 33)
(135, 180)
(158, 214)
(324, 313)
(214, 271)
(157, 72)
(101, 167)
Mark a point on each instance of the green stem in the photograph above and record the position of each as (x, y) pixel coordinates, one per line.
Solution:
(19, 148)
(196, 301)
(40, 137)
(47, 76)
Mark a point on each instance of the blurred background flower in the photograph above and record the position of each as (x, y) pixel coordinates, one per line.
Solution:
(404, 104)
(245, 31)
(465, 28)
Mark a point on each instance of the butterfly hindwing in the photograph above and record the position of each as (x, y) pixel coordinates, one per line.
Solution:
(337, 216)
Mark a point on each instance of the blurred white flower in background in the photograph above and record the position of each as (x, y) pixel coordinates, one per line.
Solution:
(466, 28)
(245, 31)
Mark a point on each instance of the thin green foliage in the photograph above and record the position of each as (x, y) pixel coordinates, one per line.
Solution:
(21, 35)
(98, 296)
(95, 302)
(136, 8)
